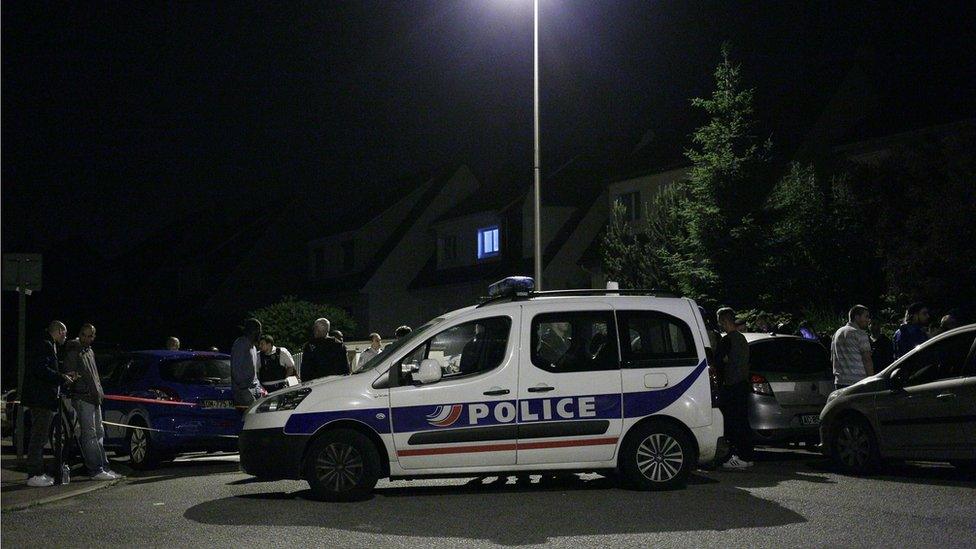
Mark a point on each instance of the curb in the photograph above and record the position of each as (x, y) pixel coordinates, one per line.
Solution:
(59, 497)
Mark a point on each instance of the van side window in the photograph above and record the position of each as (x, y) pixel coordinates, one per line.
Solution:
(651, 339)
(466, 349)
(574, 342)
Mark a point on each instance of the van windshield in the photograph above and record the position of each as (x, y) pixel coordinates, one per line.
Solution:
(789, 356)
(392, 347)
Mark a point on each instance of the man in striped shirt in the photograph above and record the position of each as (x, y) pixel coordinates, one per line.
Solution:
(850, 350)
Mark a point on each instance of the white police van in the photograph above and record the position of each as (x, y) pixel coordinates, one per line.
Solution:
(577, 380)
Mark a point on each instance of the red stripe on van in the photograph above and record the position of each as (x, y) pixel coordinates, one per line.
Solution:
(507, 447)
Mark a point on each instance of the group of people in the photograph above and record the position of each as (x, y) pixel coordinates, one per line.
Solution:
(258, 366)
(47, 382)
(859, 349)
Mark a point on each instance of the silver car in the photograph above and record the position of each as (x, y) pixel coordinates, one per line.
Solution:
(791, 378)
(922, 407)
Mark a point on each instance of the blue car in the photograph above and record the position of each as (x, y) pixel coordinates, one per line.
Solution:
(162, 403)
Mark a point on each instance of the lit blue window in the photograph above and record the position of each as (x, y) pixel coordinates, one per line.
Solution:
(488, 245)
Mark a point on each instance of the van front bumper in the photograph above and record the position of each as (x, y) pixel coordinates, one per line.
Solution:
(271, 454)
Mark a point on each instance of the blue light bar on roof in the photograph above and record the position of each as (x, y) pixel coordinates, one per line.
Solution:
(510, 286)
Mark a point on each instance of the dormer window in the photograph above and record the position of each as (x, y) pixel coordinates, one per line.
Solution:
(489, 244)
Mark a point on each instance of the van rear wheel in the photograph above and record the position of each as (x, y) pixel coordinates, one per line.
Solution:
(657, 456)
(342, 465)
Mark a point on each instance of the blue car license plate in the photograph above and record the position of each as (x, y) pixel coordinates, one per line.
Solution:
(810, 419)
(222, 404)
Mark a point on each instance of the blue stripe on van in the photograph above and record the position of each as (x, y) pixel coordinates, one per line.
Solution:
(646, 403)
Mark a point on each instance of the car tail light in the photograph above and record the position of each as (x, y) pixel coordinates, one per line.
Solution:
(164, 393)
(760, 386)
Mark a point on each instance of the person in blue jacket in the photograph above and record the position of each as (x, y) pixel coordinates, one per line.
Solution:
(911, 334)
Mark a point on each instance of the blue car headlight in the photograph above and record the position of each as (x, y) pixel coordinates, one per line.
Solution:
(284, 401)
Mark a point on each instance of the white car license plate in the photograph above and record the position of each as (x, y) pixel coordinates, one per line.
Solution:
(216, 403)
(810, 419)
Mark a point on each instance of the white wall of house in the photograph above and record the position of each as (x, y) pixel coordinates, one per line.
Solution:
(327, 255)
(390, 301)
(564, 270)
(553, 218)
(646, 186)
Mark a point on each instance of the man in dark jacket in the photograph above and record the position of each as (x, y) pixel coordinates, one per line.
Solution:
(42, 384)
(323, 355)
(911, 334)
(86, 398)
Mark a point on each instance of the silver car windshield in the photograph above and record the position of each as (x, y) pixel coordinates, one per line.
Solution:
(392, 347)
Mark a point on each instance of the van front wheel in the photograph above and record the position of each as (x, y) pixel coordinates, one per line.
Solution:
(342, 465)
(657, 456)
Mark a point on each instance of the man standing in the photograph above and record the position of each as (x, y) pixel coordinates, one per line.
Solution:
(86, 398)
(911, 334)
(850, 350)
(42, 383)
(244, 364)
(323, 355)
(276, 364)
(734, 361)
(372, 352)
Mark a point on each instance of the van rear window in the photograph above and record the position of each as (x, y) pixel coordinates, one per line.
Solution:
(205, 371)
(791, 356)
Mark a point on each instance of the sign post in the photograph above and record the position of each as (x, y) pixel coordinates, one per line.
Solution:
(21, 273)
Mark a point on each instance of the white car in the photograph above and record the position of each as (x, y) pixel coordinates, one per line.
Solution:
(578, 380)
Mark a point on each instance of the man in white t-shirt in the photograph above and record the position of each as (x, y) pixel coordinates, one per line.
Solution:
(850, 350)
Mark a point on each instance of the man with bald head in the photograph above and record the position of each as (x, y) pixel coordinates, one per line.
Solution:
(86, 397)
(323, 355)
(42, 384)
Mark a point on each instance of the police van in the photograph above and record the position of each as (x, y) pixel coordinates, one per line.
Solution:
(576, 380)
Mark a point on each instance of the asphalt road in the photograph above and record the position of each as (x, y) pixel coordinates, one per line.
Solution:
(788, 499)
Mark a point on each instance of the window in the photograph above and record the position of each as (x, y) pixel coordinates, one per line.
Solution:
(488, 243)
(135, 371)
(348, 254)
(632, 205)
(789, 356)
(574, 342)
(466, 349)
(449, 247)
(943, 360)
(653, 339)
(197, 372)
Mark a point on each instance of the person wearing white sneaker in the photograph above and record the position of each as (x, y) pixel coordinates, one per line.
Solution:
(40, 481)
(735, 462)
(105, 475)
(733, 360)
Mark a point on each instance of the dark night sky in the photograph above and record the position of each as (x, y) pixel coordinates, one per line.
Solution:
(118, 119)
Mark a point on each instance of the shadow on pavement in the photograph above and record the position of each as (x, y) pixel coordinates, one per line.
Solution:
(932, 474)
(511, 514)
(186, 467)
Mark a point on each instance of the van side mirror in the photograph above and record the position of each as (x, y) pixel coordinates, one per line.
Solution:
(429, 372)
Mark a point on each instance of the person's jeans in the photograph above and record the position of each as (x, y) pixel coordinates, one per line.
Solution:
(40, 428)
(735, 408)
(92, 435)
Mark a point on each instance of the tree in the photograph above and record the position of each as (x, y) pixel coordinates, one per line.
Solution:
(289, 321)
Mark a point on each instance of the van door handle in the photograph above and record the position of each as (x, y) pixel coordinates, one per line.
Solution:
(946, 396)
(542, 389)
(495, 392)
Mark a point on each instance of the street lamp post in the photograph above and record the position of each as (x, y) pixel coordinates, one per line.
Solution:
(536, 168)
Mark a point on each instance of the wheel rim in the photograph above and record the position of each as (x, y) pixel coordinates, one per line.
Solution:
(138, 445)
(660, 457)
(853, 445)
(339, 467)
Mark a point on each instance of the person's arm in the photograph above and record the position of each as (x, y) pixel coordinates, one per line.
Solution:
(865, 348)
(46, 369)
(288, 362)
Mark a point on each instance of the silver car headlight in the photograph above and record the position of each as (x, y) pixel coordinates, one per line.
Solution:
(285, 401)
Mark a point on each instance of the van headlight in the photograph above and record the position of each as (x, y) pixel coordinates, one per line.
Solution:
(284, 401)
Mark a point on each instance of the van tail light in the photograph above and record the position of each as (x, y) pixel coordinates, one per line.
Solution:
(760, 386)
(714, 381)
(164, 393)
